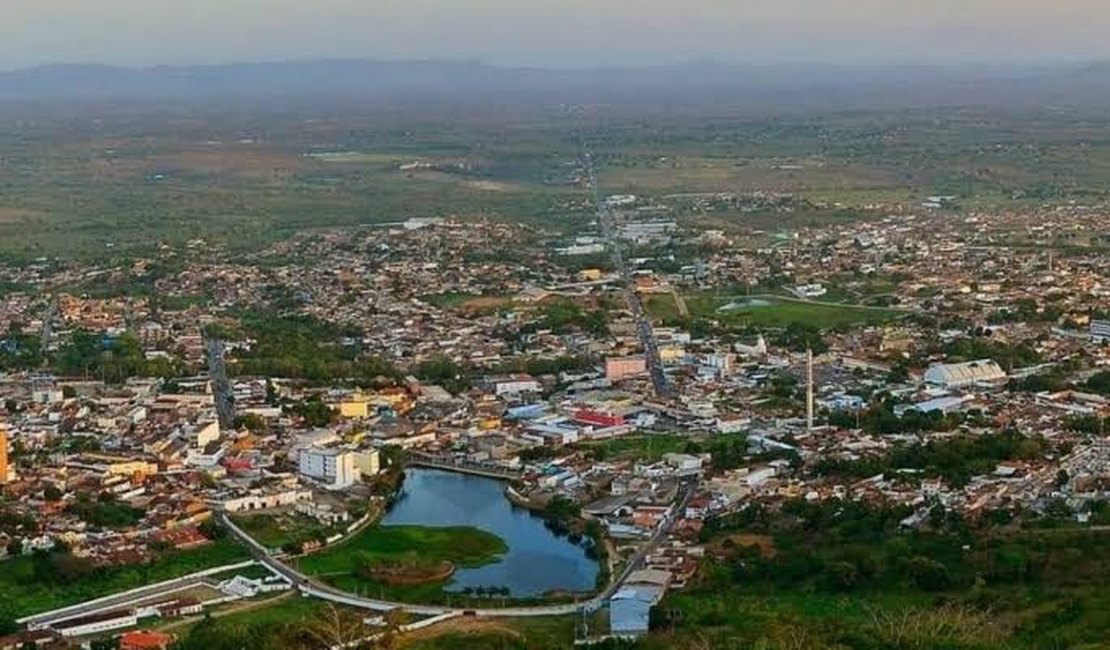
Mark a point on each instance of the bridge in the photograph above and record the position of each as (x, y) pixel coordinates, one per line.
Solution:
(478, 468)
(312, 588)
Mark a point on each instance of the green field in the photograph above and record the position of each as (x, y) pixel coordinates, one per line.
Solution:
(292, 608)
(462, 546)
(28, 588)
(770, 311)
(647, 448)
(277, 530)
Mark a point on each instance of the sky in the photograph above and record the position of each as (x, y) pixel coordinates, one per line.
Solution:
(553, 33)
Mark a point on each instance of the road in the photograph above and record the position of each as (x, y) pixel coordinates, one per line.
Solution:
(310, 587)
(643, 324)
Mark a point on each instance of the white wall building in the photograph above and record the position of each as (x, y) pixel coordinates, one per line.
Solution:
(261, 501)
(514, 385)
(334, 467)
(958, 375)
(1100, 330)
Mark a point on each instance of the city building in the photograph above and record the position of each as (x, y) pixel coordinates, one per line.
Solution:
(513, 385)
(1100, 330)
(618, 368)
(368, 462)
(334, 467)
(959, 375)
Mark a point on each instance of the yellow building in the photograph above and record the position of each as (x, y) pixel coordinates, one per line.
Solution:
(671, 353)
(368, 462)
(589, 275)
(355, 408)
(114, 465)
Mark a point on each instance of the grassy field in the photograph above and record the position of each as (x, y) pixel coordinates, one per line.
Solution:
(24, 592)
(463, 546)
(648, 448)
(276, 530)
(290, 609)
(770, 311)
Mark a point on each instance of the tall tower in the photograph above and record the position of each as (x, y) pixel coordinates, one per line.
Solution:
(809, 389)
(3, 454)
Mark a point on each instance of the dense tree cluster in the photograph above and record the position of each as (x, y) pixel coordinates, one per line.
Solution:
(1008, 356)
(104, 511)
(955, 459)
(19, 351)
(837, 545)
(1099, 383)
(113, 359)
(302, 347)
(880, 419)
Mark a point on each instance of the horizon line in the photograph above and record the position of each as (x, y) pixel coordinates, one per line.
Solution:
(676, 63)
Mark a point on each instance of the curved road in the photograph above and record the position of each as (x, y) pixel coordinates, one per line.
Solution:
(309, 587)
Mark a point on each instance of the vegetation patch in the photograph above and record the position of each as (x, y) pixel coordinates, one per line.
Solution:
(45, 581)
(462, 546)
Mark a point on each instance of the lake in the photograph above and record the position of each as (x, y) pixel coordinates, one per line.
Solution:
(538, 560)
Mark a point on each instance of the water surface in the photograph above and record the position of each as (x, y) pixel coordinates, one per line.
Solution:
(538, 561)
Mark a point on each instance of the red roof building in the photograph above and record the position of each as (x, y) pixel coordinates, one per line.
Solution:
(144, 640)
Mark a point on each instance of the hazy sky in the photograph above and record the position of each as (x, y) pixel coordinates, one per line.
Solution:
(552, 32)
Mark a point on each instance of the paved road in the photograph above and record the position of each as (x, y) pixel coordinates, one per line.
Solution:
(311, 587)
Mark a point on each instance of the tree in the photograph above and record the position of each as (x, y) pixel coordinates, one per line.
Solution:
(213, 529)
(315, 412)
(339, 628)
(843, 576)
(928, 574)
(562, 509)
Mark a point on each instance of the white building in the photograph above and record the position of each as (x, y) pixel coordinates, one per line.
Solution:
(260, 501)
(810, 290)
(958, 375)
(1100, 330)
(334, 467)
(514, 385)
(207, 433)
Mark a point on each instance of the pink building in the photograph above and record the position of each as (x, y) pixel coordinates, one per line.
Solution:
(618, 368)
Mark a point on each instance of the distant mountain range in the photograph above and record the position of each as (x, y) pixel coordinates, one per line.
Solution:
(786, 85)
